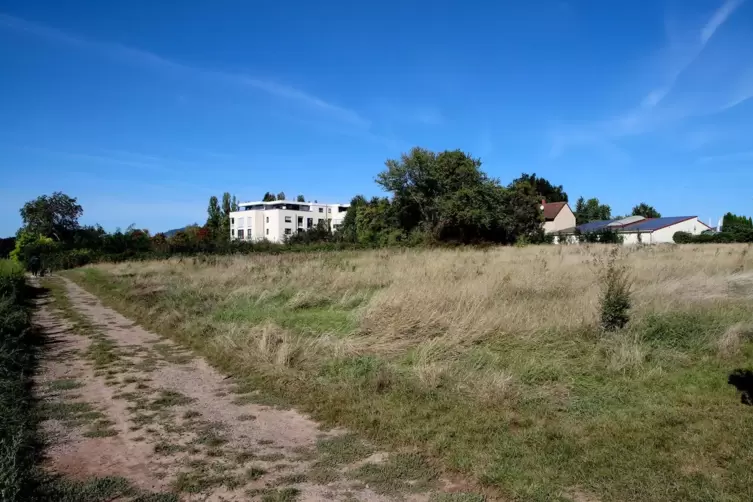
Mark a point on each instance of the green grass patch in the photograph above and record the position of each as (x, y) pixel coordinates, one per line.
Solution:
(168, 399)
(401, 472)
(64, 384)
(636, 415)
(281, 495)
(341, 450)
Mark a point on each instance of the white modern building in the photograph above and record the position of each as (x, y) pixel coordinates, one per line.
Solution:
(274, 220)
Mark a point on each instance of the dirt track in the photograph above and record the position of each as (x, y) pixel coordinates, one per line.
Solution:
(125, 402)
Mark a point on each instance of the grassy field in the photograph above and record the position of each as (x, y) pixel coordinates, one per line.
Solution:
(489, 362)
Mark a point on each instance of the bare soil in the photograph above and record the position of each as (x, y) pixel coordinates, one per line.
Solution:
(154, 413)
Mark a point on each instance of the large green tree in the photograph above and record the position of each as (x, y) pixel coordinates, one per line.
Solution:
(591, 210)
(348, 230)
(281, 196)
(735, 223)
(541, 187)
(268, 197)
(228, 203)
(449, 197)
(646, 211)
(214, 217)
(55, 216)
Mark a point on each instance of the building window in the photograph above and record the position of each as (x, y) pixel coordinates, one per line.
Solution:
(240, 233)
(288, 219)
(329, 209)
(267, 231)
(288, 231)
(321, 209)
(300, 221)
(232, 221)
(309, 222)
(232, 232)
(267, 219)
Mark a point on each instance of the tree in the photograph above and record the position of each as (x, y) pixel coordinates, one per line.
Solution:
(541, 187)
(7, 244)
(53, 216)
(448, 197)
(735, 223)
(268, 197)
(281, 196)
(300, 198)
(227, 207)
(591, 210)
(30, 244)
(348, 230)
(646, 211)
(214, 216)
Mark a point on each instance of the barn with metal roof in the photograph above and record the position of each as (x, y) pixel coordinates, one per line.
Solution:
(637, 229)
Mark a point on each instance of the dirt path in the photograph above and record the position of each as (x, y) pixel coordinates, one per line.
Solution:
(121, 401)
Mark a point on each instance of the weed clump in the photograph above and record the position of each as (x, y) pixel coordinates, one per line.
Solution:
(615, 298)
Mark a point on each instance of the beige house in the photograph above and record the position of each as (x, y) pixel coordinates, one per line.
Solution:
(557, 216)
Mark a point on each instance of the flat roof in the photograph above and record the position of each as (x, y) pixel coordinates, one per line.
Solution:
(293, 202)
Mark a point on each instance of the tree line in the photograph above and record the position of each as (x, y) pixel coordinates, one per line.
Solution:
(434, 198)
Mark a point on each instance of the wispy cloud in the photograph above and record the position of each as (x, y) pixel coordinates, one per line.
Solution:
(429, 116)
(681, 64)
(682, 51)
(150, 59)
(719, 17)
(728, 157)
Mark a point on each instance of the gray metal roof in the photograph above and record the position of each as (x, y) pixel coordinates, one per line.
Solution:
(652, 224)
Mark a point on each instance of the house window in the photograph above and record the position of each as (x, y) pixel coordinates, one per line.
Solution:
(321, 209)
(300, 221)
(309, 222)
(267, 231)
(288, 219)
(267, 219)
(240, 233)
(232, 232)
(232, 221)
(288, 231)
(329, 209)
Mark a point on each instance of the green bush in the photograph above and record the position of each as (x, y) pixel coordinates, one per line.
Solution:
(726, 237)
(17, 425)
(682, 237)
(615, 298)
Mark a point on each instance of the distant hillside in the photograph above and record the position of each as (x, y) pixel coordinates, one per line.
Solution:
(174, 231)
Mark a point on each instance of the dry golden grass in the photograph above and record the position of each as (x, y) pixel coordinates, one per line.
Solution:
(491, 360)
(453, 298)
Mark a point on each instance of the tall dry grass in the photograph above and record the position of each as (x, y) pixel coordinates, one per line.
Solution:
(458, 296)
(492, 360)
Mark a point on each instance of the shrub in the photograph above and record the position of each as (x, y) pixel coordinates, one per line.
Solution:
(682, 237)
(615, 301)
(17, 425)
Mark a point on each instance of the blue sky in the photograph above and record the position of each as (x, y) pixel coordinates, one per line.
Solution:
(143, 110)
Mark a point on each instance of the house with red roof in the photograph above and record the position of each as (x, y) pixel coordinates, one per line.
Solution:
(557, 216)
